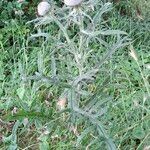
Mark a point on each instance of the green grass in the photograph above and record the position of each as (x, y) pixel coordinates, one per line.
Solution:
(29, 91)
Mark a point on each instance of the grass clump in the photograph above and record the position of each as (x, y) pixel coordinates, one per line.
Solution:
(61, 90)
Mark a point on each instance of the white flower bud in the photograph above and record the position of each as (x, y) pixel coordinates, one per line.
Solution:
(72, 3)
(43, 8)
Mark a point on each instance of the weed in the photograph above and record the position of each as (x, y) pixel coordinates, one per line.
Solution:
(61, 88)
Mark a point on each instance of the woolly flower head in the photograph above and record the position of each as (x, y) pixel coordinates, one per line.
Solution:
(43, 8)
(72, 3)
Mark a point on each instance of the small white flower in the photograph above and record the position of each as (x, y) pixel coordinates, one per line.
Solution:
(43, 8)
(72, 3)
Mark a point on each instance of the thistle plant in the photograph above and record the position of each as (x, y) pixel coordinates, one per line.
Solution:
(80, 27)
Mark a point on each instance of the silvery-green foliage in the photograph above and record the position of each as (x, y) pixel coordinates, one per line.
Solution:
(79, 28)
(12, 139)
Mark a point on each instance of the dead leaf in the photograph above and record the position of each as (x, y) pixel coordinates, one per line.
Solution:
(61, 103)
(147, 148)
